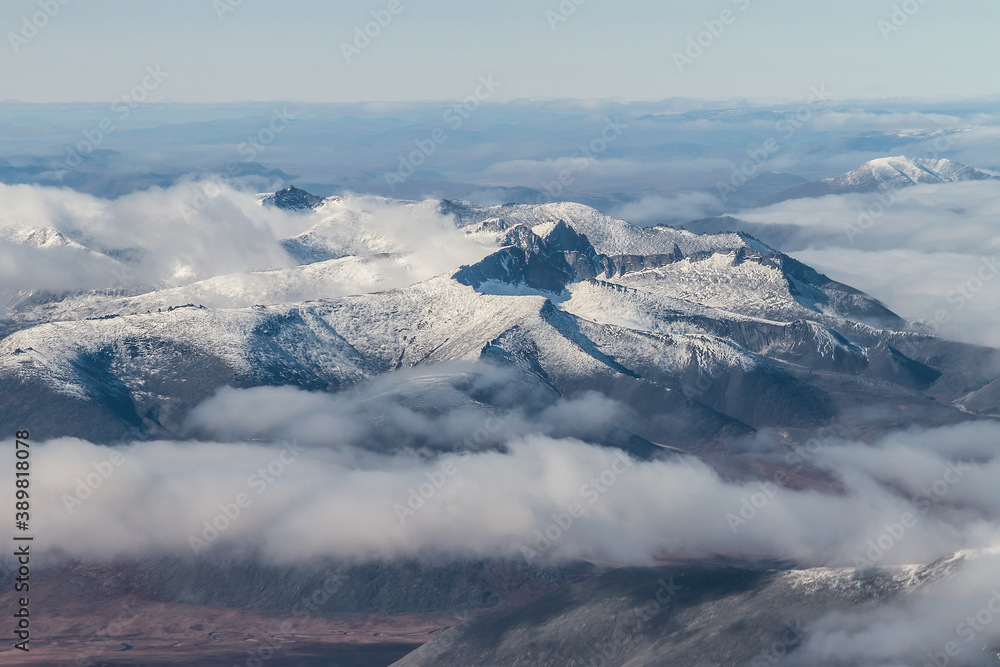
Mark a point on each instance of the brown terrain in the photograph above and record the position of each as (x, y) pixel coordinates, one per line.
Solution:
(129, 614)
(133, 631)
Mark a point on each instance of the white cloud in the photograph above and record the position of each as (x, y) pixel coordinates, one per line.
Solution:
(342, 495)
(669, 209)
(921, 252)
(214, 249)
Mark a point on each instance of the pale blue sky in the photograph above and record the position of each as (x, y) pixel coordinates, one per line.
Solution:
(95, 50)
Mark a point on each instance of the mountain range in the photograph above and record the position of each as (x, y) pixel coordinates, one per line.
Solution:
(726, 333)
(708, 339)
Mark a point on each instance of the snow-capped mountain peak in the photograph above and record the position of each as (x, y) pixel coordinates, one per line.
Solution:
(293, 199)
(904, 171)
(721, 329)
(885, 172)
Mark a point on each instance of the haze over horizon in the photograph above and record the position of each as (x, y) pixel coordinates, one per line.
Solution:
(632, 50)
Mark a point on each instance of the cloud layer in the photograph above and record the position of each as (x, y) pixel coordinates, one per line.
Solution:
(929, 252)
(204, 242)
(370, 474)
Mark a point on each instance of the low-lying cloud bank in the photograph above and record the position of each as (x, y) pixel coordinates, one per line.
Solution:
(464, 461)
(205, 242)
(931, 252)
(155, 237)
(335, 488)
(670, 209)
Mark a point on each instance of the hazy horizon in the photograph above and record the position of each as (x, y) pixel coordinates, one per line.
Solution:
(76, 51)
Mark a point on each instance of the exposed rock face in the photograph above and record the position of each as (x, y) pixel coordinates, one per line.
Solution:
(293, 199)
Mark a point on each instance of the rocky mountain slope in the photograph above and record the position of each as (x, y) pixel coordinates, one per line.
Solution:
(721, 331)
(682, 616)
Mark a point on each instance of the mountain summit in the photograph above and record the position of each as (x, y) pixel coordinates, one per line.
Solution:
(293, 199)
(720, 331)
(903, 170)
(891, 172)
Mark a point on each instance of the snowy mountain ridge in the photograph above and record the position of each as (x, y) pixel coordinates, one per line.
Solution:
(722, 332)
(885, 172)
(903, 171)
